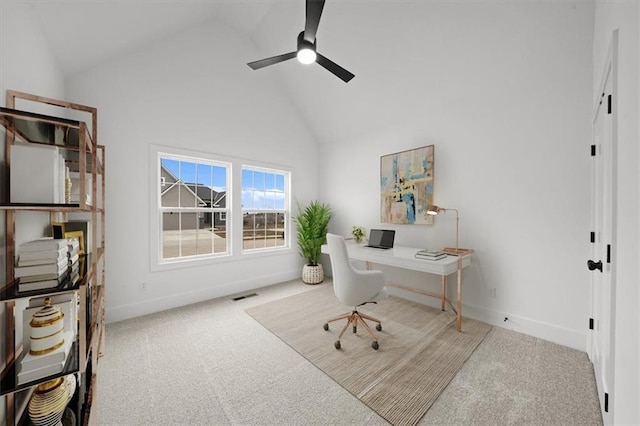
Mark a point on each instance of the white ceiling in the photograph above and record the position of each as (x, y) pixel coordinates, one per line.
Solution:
(102, 30)
(412, 59)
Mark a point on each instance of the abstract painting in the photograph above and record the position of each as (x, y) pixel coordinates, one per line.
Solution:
(406, 186)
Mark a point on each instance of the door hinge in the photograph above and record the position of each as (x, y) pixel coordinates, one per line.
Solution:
(593, 150)
(609, 104)
(606, 402)
(590, 323)
(592, 237)
(608, 253)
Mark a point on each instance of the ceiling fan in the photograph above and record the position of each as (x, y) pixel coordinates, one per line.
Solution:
(306, 52)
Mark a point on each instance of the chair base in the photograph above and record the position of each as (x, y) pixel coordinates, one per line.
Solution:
(353, 319)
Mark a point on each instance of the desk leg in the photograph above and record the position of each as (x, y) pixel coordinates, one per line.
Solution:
(459, 318)
(444, 291)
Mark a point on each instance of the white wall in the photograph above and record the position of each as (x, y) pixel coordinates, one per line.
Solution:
(193, 92)
(27, 65)
(503, 91)
(624, 16)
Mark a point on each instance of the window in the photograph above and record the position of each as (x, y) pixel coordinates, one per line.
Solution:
(208, 209)
(265, 204)
(193, 207)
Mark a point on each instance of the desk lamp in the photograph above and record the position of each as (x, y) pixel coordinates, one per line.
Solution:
(434, 210)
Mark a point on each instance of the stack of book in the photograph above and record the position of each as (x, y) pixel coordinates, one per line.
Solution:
(431, 254)
(33, 367)
(42, 264)
(74, 257)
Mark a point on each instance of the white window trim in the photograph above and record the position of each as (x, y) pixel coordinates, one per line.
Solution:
(234, 204)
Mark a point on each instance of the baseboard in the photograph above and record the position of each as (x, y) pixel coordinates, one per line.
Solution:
(553, 333)
(563, 336)
(133, 310)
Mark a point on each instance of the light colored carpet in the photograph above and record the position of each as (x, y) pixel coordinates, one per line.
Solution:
(420, 349)
(515, 379)
(212, 364)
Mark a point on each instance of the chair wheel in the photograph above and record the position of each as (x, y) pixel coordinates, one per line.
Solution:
(326, 327)
(355, 329)
(374, 345)
(379, 327)
(337, 344)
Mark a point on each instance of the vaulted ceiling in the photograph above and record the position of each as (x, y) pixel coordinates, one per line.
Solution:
(408, 56)
(83, 34)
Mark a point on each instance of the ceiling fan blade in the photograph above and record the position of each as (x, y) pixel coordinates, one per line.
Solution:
(256, 65)
(314, 11)
(336, 69)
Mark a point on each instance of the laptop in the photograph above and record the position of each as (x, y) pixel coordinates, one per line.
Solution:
(381, 238)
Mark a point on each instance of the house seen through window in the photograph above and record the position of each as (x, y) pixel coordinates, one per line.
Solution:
(194, 212)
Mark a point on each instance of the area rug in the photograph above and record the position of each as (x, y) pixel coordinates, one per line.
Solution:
(419, 352)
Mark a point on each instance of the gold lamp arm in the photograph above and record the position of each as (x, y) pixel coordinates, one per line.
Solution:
(434, 210)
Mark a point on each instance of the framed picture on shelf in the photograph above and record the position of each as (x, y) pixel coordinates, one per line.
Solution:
(57, 230)
(79, 235)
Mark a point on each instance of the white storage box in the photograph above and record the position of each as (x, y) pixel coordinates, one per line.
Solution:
(37, 174)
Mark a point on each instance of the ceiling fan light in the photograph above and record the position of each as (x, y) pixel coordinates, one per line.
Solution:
(306, 56)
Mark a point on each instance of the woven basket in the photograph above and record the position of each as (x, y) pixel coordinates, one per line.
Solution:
(312, 274)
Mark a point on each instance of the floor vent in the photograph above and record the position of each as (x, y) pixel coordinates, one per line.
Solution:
(235, 299)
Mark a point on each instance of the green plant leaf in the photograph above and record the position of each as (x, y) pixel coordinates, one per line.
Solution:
(312, 225)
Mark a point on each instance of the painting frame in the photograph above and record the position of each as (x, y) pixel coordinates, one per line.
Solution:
(80, 236)
(407, 186)
(58, 230)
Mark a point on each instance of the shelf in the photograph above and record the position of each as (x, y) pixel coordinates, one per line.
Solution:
(43, 207)
(9, 384)
(10, 292)
(54, 139)
(44, 129)
(33, 116)
(68, 139)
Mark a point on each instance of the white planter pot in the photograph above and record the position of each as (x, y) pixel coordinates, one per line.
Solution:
(312, 274)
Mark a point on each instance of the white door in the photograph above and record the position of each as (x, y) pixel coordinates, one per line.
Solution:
(602, 261)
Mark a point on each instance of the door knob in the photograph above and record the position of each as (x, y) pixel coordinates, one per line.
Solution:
(594, 265)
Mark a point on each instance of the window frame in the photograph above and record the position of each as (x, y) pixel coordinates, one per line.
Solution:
(233, 210)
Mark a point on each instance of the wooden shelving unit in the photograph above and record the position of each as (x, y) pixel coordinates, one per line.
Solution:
(86, 157)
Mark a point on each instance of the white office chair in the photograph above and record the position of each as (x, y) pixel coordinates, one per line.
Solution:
(354, 287)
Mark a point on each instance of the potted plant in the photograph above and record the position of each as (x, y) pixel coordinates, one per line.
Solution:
(358, 233)
(312, 225)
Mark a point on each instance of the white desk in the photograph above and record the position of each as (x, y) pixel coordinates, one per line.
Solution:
(404, 257)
